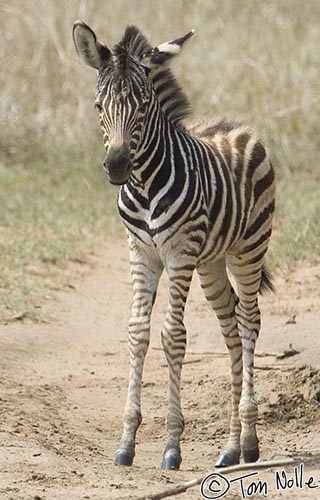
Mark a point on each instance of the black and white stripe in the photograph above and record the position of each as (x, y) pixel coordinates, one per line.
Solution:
(200, 198)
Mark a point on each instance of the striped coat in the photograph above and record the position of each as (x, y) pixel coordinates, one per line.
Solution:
(191, 199)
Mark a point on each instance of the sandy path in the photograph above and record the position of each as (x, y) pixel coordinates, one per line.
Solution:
(63, 388)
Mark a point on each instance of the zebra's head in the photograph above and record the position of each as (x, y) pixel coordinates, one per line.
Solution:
(126, 84)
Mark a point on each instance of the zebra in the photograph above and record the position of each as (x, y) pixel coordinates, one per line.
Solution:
(199, 198)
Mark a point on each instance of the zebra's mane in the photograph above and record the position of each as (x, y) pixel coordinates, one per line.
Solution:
(171, 97)
(133, 43)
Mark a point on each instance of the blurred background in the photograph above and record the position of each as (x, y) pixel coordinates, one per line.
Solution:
(251, 61)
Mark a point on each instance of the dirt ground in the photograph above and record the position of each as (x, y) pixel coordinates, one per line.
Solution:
(63, 388)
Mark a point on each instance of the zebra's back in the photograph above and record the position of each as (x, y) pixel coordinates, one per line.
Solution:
(239, 189)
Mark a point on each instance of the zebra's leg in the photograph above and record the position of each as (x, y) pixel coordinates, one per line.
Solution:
(222, 298)
(173, 338)
(248, 277)
(145, 274)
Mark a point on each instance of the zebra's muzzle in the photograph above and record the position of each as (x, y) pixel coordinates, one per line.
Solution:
(118, 165)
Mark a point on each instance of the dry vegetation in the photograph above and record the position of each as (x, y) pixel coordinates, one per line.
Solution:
(251, 61)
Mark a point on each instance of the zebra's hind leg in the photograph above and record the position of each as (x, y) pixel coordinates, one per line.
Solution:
(247, 273)
(145, 274)
(222, 298)
(173, 337)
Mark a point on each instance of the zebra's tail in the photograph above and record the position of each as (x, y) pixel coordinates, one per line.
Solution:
(266, 283)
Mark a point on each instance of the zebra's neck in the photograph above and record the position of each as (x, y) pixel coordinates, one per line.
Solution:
(155, 156)
(163, 181)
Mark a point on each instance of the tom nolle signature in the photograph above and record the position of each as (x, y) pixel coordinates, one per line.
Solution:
(215, 485)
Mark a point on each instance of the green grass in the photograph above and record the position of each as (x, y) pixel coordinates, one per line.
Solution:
(48, 219)
(296, 235)
(253, 61)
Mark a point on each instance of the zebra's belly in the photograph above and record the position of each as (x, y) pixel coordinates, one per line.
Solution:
(217, 245)
(197, 242)
(172, 246)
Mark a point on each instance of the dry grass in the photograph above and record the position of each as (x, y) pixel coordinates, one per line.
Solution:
(252, 61)
(255, 61)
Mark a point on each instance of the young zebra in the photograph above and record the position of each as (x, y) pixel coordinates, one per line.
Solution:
(190, 199)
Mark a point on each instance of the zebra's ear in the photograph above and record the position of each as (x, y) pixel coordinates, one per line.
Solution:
(162, 53)
(90, 51)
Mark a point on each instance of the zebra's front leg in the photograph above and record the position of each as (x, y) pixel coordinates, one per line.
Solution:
(145, 276)
(173, 338)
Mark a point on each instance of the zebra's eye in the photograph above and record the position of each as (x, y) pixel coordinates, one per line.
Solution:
(98, 106)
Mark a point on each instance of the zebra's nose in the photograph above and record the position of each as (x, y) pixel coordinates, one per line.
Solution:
(118, 165)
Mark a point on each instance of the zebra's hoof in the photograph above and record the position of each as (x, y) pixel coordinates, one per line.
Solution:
(227, 458)
(124, 457)
(250, 456)
(171, 460)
